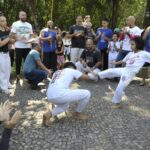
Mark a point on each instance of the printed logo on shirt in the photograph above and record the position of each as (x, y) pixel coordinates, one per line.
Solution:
(56, 75)
(23, 30)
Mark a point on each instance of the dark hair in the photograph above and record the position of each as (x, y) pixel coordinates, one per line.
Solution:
(116, 34)
(139, 43)
(63, 34)
(78, 16)
(105, 19)
(34, 45)
(69, 65)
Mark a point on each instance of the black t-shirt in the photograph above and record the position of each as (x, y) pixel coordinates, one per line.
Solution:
(91, 57)
(78, 42)
(3, 36)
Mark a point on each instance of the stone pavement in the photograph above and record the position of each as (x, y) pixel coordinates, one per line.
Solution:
(109, 129)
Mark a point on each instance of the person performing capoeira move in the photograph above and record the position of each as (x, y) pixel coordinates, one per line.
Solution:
(134, 62)
(60, 94)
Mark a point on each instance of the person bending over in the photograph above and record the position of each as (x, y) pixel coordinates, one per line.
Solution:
(60, 94)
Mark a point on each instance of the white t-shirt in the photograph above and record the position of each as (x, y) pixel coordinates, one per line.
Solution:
(61, 80)
(135, 31)
(22, 30)
(135, 61)
(67, 42)
(112, 48)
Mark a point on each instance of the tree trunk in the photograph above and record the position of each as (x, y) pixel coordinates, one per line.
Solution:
(115, 10)
(147, 15)
(32, 7)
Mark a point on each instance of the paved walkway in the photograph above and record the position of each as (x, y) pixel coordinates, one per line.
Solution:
(109, 129)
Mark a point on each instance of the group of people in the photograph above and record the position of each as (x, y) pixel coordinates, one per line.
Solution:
(80, 54)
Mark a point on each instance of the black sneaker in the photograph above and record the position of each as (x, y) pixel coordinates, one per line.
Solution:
(35, 87)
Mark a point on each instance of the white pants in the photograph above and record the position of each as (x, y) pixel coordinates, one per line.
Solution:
(66, 96)
(67, 50)
(112, 57)
(75, 54)
(5, 69)
(126, 77)
(83, 69)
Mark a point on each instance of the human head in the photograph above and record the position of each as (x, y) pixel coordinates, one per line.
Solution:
(3, 21)
(79, 20)
(105, 23)
(137, 44)
(115, 37)
(23, 16)
(87, 18)
(130, 21)
(69, 65)
(50, 24)
(36, 46)
(89, 44)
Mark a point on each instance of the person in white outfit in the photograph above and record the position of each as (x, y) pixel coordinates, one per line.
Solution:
(90, 60)
(114, 48)
(134, 62)
(5, 67)
(60, 94)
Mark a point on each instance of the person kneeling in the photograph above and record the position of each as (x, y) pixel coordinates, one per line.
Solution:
(60, 94)
(90, 60)
(32, 73)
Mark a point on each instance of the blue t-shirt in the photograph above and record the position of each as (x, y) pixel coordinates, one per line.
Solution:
(147, 43)
(102, 43)
(30, 62)
(46, 47)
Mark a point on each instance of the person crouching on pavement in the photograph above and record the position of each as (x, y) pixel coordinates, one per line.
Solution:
(34, 70)
(60, 94)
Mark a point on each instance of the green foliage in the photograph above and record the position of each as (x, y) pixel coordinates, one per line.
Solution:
(65, 11)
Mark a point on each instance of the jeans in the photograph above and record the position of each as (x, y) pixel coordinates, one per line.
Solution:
(35, 76)
(121, 55)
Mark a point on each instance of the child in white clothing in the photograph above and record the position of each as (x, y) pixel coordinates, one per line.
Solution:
(114, 47)
(134, 62)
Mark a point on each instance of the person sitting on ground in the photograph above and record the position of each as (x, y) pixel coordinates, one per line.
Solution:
(60, 94)
(90, 60)
(8, 123)
(134, 62)
(32, 73)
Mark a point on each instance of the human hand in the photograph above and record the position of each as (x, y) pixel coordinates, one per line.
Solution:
(113, 62)
(49, 71)
(5, 110)
(99, 33)
(84, 63)
(11, 123)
